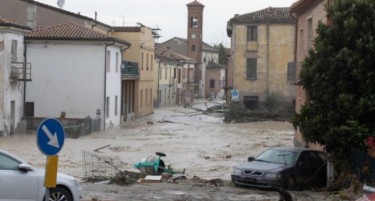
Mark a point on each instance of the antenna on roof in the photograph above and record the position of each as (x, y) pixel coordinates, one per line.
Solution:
(60, 3)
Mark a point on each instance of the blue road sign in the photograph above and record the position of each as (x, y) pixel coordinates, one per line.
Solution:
(50, 137)
(234, 95)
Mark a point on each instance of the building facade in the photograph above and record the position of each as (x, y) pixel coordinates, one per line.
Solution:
(175, 78)
(138, 91)
(12, 75)
(78, 74)
(308, 13)
(262, 49)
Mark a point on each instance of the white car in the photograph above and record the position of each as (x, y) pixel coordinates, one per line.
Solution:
(22, 182)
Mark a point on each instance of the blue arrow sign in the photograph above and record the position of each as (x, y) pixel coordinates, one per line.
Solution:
(50, 137)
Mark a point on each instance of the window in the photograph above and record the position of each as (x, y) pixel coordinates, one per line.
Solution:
(152, 62)
(150, 96)
(14, 51)
(301, 42)
(117, 62)
(193, 48)
(107, 107)
(179, 76)
(146, 93)
(174, 73)
(116, 107)
(251, 68)
(192, 36)
(291, 74)
(212, 83)
(250, 102)
(7, 163)
(147, 61)
(142, 61)
(160, 70)
(165, 73)
(141, 98)
(252, 33)
(108, 63)
(194, 22)
(29, 109)
(309, 33)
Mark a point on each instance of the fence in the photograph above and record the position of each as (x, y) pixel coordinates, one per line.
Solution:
(73, 127)
(363, 166)
(95, 166)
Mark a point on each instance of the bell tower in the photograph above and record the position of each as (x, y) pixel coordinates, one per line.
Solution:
(195, 30)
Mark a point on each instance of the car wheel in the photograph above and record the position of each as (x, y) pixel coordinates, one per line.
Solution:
(59, 194)
(290, 183)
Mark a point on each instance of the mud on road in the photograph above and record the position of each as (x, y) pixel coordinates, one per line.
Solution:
(200, 143)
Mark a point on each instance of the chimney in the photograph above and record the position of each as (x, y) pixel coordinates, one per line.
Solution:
(31, 16)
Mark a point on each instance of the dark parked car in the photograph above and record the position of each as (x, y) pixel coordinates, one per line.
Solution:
(283, 167)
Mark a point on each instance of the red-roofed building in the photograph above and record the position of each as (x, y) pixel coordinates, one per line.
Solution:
(76, 71)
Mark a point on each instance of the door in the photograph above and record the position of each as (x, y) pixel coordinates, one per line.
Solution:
(14, 184)
(12, 115)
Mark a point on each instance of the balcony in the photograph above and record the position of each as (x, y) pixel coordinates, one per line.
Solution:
(20, 71)
(129, 70)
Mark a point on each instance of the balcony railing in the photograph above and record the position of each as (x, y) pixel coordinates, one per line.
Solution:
(129, 69)
(20, 71)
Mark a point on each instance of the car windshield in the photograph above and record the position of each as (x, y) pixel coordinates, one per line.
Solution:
(278, 156)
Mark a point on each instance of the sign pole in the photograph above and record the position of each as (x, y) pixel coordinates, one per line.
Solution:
(50, 140)
(47, 194)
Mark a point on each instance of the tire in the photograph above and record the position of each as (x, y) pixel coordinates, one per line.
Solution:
(59, 194)
(290, 183)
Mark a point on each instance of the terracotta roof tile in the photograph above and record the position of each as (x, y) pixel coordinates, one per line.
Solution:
(66, 31)
(270, 14)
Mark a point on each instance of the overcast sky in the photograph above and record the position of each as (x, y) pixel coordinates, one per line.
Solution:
(169, 15)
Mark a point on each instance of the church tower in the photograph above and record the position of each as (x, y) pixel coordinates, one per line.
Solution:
(194, 42)
(195, 30)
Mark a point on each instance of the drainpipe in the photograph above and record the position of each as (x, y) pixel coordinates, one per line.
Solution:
(24, 76)
(105, 81)
(158, 88)
(268, 58)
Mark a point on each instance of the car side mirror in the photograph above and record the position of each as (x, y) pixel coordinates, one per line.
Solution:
(250, 158)
(24, 167)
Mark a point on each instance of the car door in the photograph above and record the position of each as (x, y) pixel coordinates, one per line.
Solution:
(14, 184)
(306, 167)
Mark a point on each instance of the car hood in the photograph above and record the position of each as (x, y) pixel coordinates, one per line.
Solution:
(263, 166)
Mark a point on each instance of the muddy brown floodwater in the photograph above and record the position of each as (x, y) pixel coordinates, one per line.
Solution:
(200, 143)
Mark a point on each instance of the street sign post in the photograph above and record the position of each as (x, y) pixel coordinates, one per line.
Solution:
(50, 137)
(50, 140)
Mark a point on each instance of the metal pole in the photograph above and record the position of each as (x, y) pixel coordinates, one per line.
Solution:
(47, 194)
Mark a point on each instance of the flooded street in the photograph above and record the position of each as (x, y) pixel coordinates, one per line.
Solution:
(199, 143)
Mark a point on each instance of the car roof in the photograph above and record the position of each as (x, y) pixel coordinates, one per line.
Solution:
(295, 149)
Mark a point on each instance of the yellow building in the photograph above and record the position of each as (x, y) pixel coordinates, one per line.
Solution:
(262, 51)
(137, 71)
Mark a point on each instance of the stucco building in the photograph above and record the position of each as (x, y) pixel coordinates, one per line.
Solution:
(14, 72)
(138, 86)
(308, 13)
(262, 51)
(175, 78)
(76, 71)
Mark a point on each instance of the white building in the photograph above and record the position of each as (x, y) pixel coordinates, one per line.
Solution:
(76, 71)
(11, 78)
